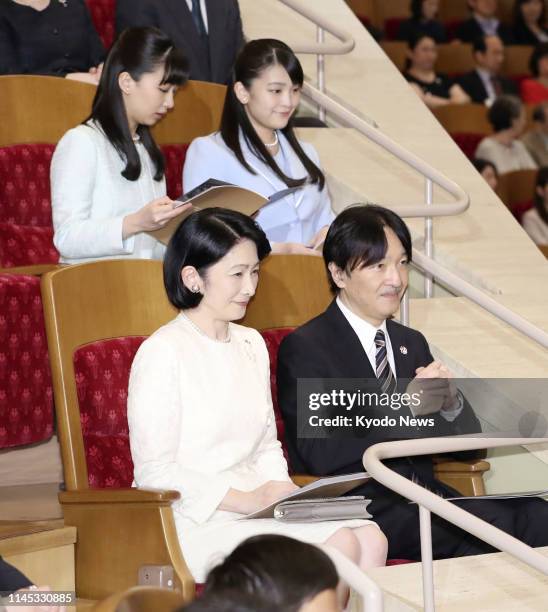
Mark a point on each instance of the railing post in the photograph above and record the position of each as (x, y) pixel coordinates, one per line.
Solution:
(320, 68)
(428, 236)
(427, 561)
(404, 309)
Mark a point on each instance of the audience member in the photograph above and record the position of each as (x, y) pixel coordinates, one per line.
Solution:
(423, 20)
(256, 148)
(530, 22)
(536, 139)
(209, 32)
(433, 88)
(49, 37)
(488, 171)
(193, 384)
(483, 22)
(272, 572)
(534, 91)
(503, 148)
(484, 83)
(367, 251)
(107, 175)
(535, 221)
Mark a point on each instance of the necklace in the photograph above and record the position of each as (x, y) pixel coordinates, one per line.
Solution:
(202, 332)
(272, 144)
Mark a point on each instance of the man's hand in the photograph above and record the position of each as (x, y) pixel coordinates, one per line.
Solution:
(435, 387)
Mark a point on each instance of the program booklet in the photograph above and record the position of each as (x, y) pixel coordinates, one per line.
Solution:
(319, 501)
(213, 193)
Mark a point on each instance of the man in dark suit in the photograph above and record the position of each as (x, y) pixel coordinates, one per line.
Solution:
(209, 32)
(367, 251)
(484, 22)
(484, 84)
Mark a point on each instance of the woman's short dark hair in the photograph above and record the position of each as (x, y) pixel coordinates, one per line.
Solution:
(137, 51)
(356, 238)
(480, 164)
(256, 56)
(519, 21)
(413, 41)
(542, 181)
(503, 112)
(416, 9)
(201, 240)
(540, 51)
(281, 572)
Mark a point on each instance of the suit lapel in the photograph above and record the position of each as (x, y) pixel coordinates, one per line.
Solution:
(215, 26)
(182, 17)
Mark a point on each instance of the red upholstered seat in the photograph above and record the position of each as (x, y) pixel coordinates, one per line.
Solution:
(392, 27)
(468, 142)
(102, 371)
(174, 155)
(26, 398)
(103, 14)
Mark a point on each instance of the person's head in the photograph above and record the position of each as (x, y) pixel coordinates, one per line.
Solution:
(507, 113)
(488, 170)
(540, 117)
(422, 52)
(367, 251)
(262, 97)
(140, 76)
(541, 193)
(529, 12)
(538, 63)
(424, 9)
(229, 601)
(489, 53)
(484, 8)
(212, 262)
(283, 573)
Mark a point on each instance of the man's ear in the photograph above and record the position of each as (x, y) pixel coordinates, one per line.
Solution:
(241, 92)
(338, 275)
(125, 82)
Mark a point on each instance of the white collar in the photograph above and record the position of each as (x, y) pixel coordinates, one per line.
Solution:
(364, 330)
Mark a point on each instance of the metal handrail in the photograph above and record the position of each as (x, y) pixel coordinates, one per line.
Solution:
(346, 44)
(428, 501)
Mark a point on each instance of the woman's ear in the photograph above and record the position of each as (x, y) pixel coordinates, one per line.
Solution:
(191, 279)
(125, 82)
(241, 92)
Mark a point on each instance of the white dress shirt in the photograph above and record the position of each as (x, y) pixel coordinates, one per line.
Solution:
(202, 9)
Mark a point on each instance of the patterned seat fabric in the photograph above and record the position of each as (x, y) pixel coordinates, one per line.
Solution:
(102, 374)
(103, 14)
(26, 399)
(174, 155)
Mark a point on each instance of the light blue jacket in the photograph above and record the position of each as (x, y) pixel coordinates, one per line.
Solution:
(296, 218)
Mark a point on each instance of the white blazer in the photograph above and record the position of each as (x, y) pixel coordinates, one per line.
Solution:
(296, 218)
(90, 198)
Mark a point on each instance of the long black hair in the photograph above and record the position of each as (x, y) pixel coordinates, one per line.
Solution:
(137, 51)
(542, 181)
(519, 21)
(256, 56)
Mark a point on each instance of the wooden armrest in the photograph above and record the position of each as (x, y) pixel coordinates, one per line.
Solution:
(302, 480)
(466, 477)
(35, 270)
(118, 496)
(472, 465)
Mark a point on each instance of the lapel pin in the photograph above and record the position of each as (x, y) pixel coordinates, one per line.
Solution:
(403, 350)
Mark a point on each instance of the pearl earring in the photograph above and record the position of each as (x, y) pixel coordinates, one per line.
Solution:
(195, 289)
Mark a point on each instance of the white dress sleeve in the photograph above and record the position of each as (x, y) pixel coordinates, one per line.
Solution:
(201, 163)
(325, 213)
(155, 409)
(73, 177)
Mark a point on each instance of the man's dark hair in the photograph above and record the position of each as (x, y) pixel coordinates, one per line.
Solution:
(539, 112)
(503, 112)
(357, 239)
(278, 572)
(542, 181)
(201, 241)
(480, 43)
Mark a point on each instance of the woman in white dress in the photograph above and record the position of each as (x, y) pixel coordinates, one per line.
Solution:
(535, 220)
(107, 175)
(256, 148)
(199, 407)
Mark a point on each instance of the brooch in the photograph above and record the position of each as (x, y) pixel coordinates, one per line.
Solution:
(403, 350)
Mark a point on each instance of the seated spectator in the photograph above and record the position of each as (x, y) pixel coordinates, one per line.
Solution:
(272, 572)
(488, 171)
(503, 148)
(107, 175)
(208, 33)
(534, 91)
(536, 139)
(530, 22)
(28, 47)
(193, 384)
(483, 22)
(484, 83)
(423, 20)
(256, 148)
(535, 221)
(434, 89)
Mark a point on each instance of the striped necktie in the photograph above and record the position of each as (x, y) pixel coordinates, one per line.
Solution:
(383, 371)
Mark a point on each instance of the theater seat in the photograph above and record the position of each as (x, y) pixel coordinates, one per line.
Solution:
(174, 155)
(103, 13)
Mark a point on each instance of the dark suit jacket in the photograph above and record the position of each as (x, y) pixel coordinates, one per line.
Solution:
(328, 347)
(175, 19)
(473, 85)
(469, 30)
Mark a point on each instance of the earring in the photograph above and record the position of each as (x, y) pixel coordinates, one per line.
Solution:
(195, 289)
